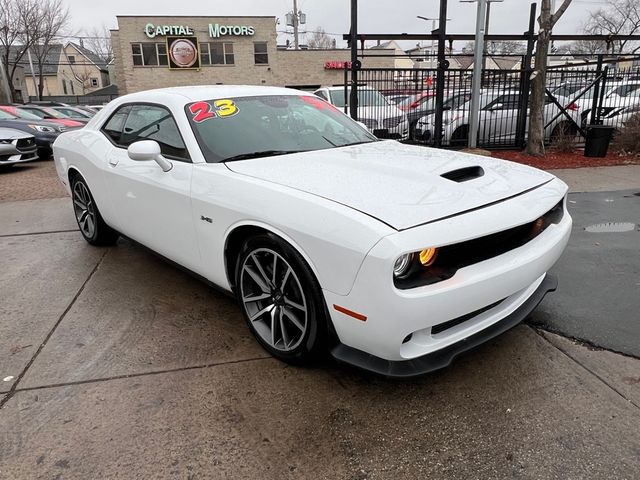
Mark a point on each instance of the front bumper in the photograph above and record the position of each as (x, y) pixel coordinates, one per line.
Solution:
(10, 154)
(443, 357)
(406, 324)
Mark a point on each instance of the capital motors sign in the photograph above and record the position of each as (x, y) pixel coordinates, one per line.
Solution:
(215, 30)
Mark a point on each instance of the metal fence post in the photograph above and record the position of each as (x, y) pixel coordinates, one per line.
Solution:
(521, 127)
(443, 65)
(595, 103)
(353, 98)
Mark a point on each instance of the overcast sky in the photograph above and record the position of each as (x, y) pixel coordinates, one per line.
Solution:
(375, 16)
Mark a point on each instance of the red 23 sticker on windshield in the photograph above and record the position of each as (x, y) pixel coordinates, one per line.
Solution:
(202, 111)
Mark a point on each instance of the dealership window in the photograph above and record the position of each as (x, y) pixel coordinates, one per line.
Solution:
(217, 54)
(149, 54)
(260, 53)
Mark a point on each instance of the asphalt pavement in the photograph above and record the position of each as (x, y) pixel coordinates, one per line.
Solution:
(598, 297)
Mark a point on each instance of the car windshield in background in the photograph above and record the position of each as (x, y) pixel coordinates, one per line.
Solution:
(6, 116)
(247, 127)
(366, 98)
(24, 114)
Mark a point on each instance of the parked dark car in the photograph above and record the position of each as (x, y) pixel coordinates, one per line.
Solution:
(44, 132)
(75, 113)
(48, 113)
(425, 104)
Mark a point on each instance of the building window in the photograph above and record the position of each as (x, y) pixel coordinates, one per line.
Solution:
(72, 59)
(64, 86)
(71, 85)
(149, 54)
(94, 82)
(260, 53)
(217, 54)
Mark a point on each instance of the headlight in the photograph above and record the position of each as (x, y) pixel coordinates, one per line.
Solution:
(410, 262)
(42, 128)
(403, 265)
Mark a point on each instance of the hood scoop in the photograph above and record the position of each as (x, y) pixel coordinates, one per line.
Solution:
(464, 174)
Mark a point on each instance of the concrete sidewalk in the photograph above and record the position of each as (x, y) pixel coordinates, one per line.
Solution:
(118, 365)
(600, 179)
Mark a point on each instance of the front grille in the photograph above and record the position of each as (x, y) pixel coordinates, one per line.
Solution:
(441, 327)
(370, 123)
(391, 122)
(452, 258)
(25, 143)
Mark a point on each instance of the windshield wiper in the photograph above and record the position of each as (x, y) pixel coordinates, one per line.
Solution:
(262, 153)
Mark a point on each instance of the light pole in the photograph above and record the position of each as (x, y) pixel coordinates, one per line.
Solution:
(477, 73)
(433, 28)
(486, 27)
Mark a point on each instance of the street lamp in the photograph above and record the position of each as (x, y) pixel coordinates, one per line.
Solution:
(486, 26)
(433, 28)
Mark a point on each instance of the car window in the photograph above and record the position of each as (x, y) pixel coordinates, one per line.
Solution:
(322, 95)
(148, 122)
(508, 102)
(36, 112)
(113, 127)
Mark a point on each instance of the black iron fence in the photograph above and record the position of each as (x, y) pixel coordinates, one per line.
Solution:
(402, 103)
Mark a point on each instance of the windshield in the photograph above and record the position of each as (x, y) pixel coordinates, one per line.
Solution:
(271, 124)
(25, 115)
(366, 98)
(6, 116)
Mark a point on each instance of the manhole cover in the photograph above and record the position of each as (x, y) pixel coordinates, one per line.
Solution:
(611, 227)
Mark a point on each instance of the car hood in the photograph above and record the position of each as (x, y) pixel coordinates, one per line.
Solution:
(24, 122)
(400, 185)
(12, 134)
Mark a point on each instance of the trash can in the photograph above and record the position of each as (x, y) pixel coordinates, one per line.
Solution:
(598, 138)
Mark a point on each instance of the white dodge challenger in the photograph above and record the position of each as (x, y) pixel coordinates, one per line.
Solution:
(394, 258)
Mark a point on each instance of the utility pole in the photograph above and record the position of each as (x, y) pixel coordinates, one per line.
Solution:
(295, 25)
(33, 75)
(477, 74)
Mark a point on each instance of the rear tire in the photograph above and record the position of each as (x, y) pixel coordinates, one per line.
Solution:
(91, 224)
(281, 300)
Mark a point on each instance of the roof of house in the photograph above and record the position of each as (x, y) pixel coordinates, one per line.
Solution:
(108, 90)
(505, 63)
(51, 61)
(91, 56)
(465, 61)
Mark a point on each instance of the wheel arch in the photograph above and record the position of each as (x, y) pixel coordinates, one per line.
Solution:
(238, 233)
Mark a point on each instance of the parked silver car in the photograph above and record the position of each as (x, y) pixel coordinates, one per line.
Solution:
(382, 118)
(16, 147)
(499, 113)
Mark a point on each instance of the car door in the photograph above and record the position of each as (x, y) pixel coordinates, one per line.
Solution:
(499, 119)
(152, 206)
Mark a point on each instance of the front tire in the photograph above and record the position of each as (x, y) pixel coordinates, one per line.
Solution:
(280, 299)
(93, 228)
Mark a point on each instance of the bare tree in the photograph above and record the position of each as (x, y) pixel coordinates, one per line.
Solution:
(618, 17)
(506, 47)
(546, 21)
(319, 40)
(588, 48)
(18, 21)
(52, 18)
(98, 40)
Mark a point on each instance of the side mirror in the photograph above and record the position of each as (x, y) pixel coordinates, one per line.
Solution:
(145, 150)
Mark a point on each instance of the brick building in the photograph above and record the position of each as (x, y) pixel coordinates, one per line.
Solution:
(164, 51)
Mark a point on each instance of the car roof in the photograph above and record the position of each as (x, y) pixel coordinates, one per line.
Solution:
(206, 92)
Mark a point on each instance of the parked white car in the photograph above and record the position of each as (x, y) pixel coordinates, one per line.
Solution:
(16, 147)
(380, 116)
(396, 258)
(498, 120)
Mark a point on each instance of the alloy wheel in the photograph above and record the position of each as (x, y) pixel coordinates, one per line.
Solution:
(273, 299)
(84, 209)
